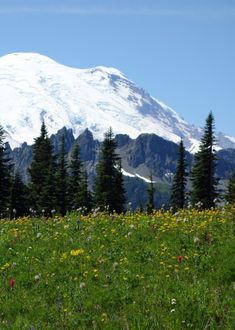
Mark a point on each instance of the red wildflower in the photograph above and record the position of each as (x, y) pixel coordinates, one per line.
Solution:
(179, 258)
(12, 283)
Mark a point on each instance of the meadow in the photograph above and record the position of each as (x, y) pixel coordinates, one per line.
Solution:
(130, 271)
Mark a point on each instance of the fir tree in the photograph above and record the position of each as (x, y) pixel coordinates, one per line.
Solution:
(18, 198)
(5, 176)
(230, 195)
(75, 178)
(61, 180)
(120, 199)
(109, 190)
(204, 182)
(84, 196)
(150, 193)
(42, 192)
(178, 190)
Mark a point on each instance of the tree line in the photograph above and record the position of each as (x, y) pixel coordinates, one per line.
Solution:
(204, 192)
(59, 184)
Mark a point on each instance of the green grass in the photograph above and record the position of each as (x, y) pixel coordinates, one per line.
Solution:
(119, 272)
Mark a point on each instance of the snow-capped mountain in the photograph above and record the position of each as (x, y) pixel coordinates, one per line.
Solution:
(33, 88)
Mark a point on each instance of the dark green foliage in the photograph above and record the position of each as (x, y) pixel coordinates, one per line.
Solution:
(18, 198)
(109, 190)
(42, 192)
(61, 180)
(79, 195)
(204, 182)
(5, 178)
(178, 190)
(84, 196)
(230, 195)
(119, 189)
(150, 192)
(74, 180)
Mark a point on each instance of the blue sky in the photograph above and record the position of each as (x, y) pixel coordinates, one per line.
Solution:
(181, 51)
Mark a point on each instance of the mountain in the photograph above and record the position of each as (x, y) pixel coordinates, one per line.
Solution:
(33, 88)
(146, 154)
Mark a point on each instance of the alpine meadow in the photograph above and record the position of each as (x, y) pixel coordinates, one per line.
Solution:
(79, 259)
(117, 165)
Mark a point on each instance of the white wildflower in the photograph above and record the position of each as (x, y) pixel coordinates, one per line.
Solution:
(173, 301)
(37, 277)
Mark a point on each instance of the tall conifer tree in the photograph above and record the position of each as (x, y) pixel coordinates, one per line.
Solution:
(75, 178)
(5, 176)
(18, 198)
(42, 185)
(61, 180)
(204, 181)
(150, 192)
(84, 195)
(178, 190)
(109, 190)
(230, 195)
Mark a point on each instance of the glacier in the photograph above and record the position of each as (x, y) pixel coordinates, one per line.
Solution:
(34, 87)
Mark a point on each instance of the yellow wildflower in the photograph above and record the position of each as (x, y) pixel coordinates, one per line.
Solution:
(77, 252)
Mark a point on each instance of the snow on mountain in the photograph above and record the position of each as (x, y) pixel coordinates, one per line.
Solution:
(33, 88)
(136, 175)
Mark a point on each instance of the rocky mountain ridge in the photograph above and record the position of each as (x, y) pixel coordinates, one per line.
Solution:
(146, 154)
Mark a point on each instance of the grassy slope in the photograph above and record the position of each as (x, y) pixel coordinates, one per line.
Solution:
(119, 272)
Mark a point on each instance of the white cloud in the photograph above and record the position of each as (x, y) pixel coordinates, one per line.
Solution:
(99, 10)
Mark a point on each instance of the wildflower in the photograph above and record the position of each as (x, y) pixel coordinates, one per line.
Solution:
(76, 252)
(37, 277)
(173, 301)
(4, 267)
(64, 255)
(82, 285)
(172, 310)
(196, 240)
(115, 264)
(12, 283)
(95, 271)
(179, 258)
(104, 317)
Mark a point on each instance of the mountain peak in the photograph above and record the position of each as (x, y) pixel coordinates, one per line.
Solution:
(17, 58)
(34, 87)
(108, 70)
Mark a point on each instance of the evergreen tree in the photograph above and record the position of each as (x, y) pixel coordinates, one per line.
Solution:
(18, 198)
(84, 195)
(61, 180)
(109, 190)
(75, 178)
(204, 182)
(150, 192)
(230, 195)
(120, 199)
(5, 176)
(178, 190)
(42, 192)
